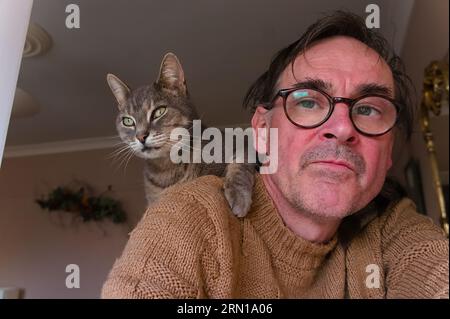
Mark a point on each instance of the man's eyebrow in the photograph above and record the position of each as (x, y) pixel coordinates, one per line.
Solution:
(317, 84)
(373, 88)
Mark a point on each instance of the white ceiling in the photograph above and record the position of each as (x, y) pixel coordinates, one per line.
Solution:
(223, 45)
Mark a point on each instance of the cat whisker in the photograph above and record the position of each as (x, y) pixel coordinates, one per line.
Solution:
(191, 126)
(119, 143)
(187, 135)
(190, 141)
(159, 135)
(128, 160)
(124, 158)
(120, 147)
(185, 146)
(117, 156)
(118, 163)
(118, 151)
(158, 139)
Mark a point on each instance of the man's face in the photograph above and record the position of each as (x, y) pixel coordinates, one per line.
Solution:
(332, 170)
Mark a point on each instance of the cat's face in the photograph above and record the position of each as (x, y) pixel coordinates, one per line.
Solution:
(147, 119)
(148, 115)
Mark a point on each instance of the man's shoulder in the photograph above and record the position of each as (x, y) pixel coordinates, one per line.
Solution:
(415, 253)
(403, 215)
(194, 208)
(404, 231)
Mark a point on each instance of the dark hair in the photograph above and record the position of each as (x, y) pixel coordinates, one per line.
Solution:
(338, 23)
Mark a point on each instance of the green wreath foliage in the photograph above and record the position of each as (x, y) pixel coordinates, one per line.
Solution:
(87, 207)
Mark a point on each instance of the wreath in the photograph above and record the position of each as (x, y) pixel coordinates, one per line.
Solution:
(84, 204)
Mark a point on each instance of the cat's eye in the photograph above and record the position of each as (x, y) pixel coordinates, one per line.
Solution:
(160, 111)
(127, 121)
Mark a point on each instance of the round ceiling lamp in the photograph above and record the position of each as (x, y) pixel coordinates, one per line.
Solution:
(38, 41)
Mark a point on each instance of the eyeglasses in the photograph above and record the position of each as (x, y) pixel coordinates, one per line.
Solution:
(371, 115)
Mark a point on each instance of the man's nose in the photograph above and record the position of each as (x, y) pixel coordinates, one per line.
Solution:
(339, 126)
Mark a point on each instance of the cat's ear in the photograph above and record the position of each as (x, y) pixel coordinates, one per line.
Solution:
(120, 90)
(171, 75)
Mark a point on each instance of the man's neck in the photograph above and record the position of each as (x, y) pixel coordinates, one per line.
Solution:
(312, 228)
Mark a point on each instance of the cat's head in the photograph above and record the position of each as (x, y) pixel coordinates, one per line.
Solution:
(147, 115)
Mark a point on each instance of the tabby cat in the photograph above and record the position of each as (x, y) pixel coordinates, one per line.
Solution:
(147, 115)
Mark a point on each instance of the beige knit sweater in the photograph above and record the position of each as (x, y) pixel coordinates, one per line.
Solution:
(189, 245)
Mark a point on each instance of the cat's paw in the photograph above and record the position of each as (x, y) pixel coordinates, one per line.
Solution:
(239, 198)
(239, 203)
(238, 187)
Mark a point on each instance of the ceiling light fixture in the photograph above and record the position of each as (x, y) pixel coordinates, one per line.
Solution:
(38, 41)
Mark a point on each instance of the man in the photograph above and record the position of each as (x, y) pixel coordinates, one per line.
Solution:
(325, 224)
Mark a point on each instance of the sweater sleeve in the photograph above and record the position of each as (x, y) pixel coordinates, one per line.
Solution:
(415, 255)
(166, 254)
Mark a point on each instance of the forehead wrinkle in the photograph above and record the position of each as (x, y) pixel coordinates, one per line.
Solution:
(321, 54)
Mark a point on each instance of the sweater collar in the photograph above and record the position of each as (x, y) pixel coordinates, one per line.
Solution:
(281, 241)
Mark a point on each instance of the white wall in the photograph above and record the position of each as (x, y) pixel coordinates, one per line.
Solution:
(35, 247)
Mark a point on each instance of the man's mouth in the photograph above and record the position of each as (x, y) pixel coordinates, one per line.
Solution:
(335, 164)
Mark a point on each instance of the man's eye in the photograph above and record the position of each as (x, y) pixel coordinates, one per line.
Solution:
(160, 112)
(128, 121)
(366, 110)
(308, 104)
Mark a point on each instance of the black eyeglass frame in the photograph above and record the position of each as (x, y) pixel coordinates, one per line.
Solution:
(284, 93)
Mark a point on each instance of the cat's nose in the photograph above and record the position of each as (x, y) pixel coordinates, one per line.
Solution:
(142, 137)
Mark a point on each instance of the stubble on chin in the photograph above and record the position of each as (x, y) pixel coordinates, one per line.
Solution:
(320, 182)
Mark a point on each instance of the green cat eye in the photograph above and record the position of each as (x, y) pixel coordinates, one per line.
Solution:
(128, 121)
(160, 112)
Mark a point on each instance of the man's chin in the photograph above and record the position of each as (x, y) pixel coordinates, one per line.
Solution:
(328, 201)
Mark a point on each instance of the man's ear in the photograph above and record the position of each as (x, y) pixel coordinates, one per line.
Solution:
(171, 74)
(120, 90)
(261, 125)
